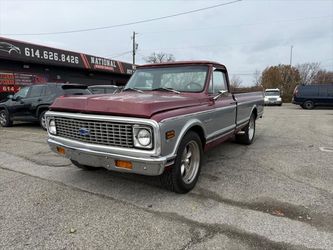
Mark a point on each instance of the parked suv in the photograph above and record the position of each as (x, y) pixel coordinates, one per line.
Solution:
(31, 103)
(309, 96)
(272, 97)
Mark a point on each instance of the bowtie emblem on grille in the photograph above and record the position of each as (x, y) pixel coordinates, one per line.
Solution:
(84, 131)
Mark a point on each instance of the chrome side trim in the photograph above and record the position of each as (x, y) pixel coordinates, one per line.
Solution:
(252, 101)
(220, 132)
(220, 136)
(198, 113)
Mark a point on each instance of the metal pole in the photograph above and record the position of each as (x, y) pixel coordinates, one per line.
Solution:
(291, 55)
(134, 47)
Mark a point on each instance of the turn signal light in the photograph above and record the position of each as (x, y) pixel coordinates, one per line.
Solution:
(170, 134)
(61, 150)
(124, 164)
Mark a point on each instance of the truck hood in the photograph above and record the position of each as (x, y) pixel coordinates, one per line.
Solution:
(126, 103)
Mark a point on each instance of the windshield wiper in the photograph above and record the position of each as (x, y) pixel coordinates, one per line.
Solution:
(167, 89)
(135, 89)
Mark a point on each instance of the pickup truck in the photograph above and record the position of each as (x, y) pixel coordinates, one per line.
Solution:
(160, 124)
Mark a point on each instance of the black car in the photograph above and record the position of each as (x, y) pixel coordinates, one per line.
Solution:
(105, 89)
(309, 96)
(31, 103)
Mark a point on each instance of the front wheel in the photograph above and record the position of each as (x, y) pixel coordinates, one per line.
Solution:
(4, 119)
(246, 136)
(184, 174)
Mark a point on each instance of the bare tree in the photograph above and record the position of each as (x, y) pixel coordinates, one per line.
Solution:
(284, 77)
(323, 77)
(159, 57)
(257, 78)
(235, 82)
(308, 72)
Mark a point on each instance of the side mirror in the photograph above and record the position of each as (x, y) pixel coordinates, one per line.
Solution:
(11, 97)
(221, 93)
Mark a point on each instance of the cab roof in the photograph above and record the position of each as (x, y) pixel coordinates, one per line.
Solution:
(182, 63)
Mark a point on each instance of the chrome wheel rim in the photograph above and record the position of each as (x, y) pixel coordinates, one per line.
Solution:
(43, 121)
(251, 128)
(3, 119)
(190, 162)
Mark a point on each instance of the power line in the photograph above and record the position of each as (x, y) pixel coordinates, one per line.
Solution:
(120, 54)
(286, 40)
(236, 25)
(123, 24)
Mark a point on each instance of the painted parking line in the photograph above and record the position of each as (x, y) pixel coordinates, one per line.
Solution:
(326, 149)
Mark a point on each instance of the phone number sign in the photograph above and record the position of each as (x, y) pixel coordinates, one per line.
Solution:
(16, 50)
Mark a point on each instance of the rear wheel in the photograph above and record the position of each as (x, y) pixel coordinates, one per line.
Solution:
(4, 119)
(84, 167)
(42, 119)
(184, 174)
(246, 136)
(308, 105)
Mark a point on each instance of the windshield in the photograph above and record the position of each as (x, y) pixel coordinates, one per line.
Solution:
(22, 93)
(183, 79)
(272, 93)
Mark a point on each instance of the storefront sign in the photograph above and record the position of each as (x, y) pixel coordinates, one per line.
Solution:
(26, 52)
(9, 88)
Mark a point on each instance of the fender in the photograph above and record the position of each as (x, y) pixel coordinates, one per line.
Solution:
(254, 108)
(4, 107)
(188, 125)
(41, 107)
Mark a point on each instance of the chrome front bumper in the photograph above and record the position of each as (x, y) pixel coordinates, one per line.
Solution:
(85, 156)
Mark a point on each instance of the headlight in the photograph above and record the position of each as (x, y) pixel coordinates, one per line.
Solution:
(143, 137)
(52, 127)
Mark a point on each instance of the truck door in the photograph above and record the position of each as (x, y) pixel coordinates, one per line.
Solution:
(224, 115)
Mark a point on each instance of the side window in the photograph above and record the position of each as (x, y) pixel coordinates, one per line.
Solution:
(36, 91)
(218, 82)
(48, 91)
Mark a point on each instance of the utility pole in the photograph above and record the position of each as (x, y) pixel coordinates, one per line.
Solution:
(135, 47)
(291, 55)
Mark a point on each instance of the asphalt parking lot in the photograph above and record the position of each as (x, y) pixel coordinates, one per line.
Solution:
(274, 194)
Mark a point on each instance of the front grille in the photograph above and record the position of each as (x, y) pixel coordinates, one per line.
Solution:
(95, 132)
(272, 99)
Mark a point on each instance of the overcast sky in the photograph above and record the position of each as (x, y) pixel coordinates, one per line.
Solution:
(245, 36)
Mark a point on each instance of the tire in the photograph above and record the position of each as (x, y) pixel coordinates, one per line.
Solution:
(308, 105)
(42, 120)
(183, 175)
(4, 119)
(84, 167)
(248, 133)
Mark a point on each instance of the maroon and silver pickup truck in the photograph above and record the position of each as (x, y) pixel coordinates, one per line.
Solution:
(160, 124)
